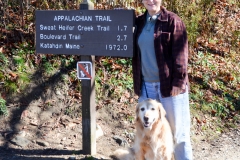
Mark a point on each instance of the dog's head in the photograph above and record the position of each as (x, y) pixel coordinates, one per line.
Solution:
(149, 111)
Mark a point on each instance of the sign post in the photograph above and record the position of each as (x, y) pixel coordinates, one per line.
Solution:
(88, 110)
(88, 101)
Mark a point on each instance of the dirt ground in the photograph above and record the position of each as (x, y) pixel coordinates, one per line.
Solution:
(45, 123)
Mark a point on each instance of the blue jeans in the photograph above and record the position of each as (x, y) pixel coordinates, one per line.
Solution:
(178, 115)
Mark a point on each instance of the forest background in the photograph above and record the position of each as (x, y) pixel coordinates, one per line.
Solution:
(213, 28)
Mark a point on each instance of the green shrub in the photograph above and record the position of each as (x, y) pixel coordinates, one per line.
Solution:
(3, 108)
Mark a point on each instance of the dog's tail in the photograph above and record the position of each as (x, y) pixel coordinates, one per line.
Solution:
(122, 154)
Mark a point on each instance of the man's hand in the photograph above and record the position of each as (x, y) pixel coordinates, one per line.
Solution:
(176, 91)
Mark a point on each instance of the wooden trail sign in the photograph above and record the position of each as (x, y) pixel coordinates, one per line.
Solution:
(88, 33)
(85, 32)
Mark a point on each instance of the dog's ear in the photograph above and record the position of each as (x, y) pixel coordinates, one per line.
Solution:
(137, 109)
(162, 111)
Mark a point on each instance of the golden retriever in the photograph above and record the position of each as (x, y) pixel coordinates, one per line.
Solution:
(154, 139)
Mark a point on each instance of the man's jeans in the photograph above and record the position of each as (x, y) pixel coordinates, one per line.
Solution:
(178, 115)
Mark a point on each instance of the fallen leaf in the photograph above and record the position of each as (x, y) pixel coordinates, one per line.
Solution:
(213, 112)
(24, 114)
(71, 125)
(127, 94)
(34, 122)
(13, 75)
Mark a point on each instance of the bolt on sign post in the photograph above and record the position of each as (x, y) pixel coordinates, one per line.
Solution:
(88, 33)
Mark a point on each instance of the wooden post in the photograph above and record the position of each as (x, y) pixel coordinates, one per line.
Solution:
(88, 101)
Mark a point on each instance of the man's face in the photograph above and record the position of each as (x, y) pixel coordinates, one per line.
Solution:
(153, 6)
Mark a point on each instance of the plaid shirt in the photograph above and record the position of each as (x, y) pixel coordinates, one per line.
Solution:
(171, 49)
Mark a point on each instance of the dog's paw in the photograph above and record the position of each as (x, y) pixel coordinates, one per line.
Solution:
(122, 154)
(114, 157)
